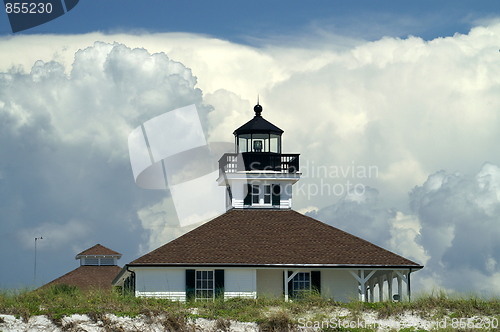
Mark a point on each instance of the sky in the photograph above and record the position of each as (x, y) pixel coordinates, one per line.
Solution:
(393, 107)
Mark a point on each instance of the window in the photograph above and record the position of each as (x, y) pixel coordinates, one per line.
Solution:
(91, 261)
(255, 194)
(107, 261)
(204, 285)
(97, 261)
(301, 284)
(257, 146)
(267, 194)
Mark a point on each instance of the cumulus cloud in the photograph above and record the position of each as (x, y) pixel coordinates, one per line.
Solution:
(407, 107)
(453, 228)
(460, 227)
(361, 214)
(365, 215)
(64, 162)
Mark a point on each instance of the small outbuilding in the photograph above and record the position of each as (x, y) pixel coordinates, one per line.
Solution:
(98, 267)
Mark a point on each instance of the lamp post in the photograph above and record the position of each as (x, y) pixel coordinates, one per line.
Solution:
(36, 239)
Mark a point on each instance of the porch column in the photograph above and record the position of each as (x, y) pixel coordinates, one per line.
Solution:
(400, 285)
(255, 283)
(390, 279)
(372, 290)
(287, 280)
(408, 290)
(362, 281)
(406, 279)
(381, 288)
(363, 286)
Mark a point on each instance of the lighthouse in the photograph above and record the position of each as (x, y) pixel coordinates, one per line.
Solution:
(258, 175)
(260, 247)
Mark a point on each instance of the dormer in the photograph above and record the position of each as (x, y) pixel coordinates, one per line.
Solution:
(98, 255)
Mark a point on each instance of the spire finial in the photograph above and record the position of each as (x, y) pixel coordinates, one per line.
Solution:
(258, 109)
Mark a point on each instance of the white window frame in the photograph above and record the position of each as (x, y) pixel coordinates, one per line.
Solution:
(266, 194)
(200, 287)
(258, 194)
(98, 261)
(299, 281)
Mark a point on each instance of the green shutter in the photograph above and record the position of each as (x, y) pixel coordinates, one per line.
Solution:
(316, 281)
(219, 283)
(129, 285)
(248, 197)
(190, 285)
(276, 194)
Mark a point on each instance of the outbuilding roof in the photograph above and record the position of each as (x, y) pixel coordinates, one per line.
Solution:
(253, 237)
(89, 277)
(98, 250)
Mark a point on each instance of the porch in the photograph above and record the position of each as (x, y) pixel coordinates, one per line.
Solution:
(339, 284)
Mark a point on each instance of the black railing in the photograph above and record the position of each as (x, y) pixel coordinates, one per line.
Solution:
(257, 161)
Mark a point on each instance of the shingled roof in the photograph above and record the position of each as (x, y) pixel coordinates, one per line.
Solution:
(98, 250)
(257, 124)
(89, 277)
(270, 238)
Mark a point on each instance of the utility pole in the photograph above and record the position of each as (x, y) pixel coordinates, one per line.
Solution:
(36, 239)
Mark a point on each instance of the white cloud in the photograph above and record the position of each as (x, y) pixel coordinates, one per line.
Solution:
(453, 229)
(64, 159)
(405, 230)
(363, 215)
(408, 107)
(460, 227)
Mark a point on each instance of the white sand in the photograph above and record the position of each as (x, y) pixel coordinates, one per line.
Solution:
(9, 323)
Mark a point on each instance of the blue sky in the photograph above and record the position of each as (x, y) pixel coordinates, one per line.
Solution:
(410, 88)
(240, 21)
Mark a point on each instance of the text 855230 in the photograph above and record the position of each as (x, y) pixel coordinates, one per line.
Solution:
(28, 8)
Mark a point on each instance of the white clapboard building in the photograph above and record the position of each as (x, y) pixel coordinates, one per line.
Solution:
(261, 247)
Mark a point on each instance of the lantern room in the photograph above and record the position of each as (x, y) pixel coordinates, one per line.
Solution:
(258, 135)
(258, 175)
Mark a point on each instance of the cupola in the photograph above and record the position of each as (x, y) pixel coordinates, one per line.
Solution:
(98, 255)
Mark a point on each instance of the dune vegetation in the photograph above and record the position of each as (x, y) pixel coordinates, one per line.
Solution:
(61, 301)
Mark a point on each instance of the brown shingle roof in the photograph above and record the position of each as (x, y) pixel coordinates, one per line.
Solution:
(270, 237)
(98, 250)
(89, 277)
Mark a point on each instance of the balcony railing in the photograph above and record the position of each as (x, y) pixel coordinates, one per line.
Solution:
(257, 161)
